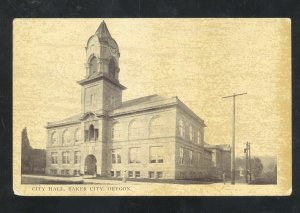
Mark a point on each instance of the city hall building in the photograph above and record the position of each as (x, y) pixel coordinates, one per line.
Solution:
(148, 137)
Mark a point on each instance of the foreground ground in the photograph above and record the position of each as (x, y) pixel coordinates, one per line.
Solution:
(42, 179)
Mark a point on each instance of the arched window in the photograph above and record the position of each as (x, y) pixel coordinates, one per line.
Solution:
(91, 134)
(77, 135)
(66, 139)
(54, 138)
(93, 65)
(181, 128)
(191, 133)
(135, 130)
(156, 127)
(112, 68)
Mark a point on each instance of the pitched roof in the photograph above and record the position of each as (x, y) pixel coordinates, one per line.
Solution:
(72, 119)
(142, 100)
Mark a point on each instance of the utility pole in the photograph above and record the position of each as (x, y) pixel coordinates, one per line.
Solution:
(246, 162)
(250, 171)
(233, 138)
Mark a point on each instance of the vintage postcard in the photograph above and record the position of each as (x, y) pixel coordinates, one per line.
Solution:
(152, 107)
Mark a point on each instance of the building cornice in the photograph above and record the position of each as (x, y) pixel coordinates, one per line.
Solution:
(98, 77)
(142, 110)
(187, 110)
(49, 125)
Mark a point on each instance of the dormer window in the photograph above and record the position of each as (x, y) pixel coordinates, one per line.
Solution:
(93, 65)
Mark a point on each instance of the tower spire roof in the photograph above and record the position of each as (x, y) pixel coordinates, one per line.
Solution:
(102, 31)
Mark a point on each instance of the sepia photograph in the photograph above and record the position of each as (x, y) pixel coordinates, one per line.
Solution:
(152, 107)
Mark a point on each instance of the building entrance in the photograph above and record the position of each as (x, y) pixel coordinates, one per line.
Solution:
(90, 167)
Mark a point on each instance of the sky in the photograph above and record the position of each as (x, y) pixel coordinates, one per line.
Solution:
(198, 60)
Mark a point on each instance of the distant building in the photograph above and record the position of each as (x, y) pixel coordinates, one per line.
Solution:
(221, 160)
(148, 137)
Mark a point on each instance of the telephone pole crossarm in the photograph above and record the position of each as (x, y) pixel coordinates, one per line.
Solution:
(234, 95)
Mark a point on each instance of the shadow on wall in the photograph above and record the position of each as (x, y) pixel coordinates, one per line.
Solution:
(33, 161)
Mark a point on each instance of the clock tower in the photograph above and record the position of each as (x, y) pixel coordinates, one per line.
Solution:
(101, 90)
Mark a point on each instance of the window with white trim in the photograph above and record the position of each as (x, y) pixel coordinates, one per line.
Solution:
(181, 128)
(116, 156)
(156, 154)
(159, 175)
(77, 157)
(65, 158)
(135, 130)
(199, 137)
(54, 138)
(181, 155)
(77, 135)
(134, 155)
(191, 157)
(156, 127)
(137, 174)
(191, 133)
(53, 157)
(116, 132)
(66, 137)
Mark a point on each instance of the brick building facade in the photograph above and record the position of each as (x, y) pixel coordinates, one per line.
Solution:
(149, 137)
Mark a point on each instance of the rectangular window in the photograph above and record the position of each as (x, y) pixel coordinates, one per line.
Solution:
(134, 155)
(137, 174)
(199, 137)
(130, 174)
(181, 155)
(77, 157)
(112, 173)
(118, 173)
(199, 158)
(116, 156)
(191, 157)
(55, 171)
(65, 158)
(159, 175)
(63, 172)
(156, 154)
(151, 174)
(67, 172)
(53, 157)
